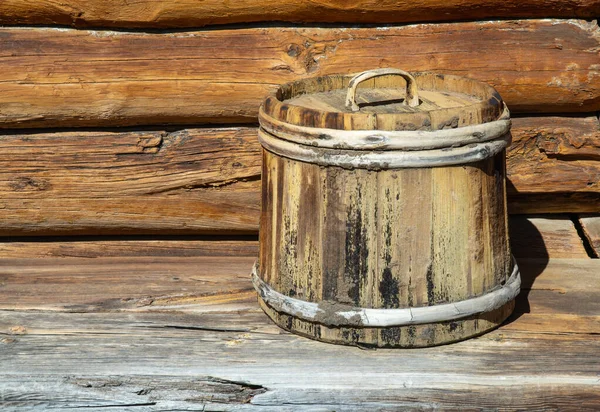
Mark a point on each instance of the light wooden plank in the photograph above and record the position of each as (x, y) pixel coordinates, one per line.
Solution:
(181, 13)
(86, 247)
(213, 284)
(118, 283)
(545, 236)
(591, 229)
(61, 77)
(194, 357)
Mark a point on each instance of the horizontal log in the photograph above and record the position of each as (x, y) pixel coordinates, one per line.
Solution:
(219, 284)
(62, 77)
(192, 181)
(181, 13)
(123, 246)
(121, 283)
(547, 236)
(590, 225)
(207, 180)
(552, 165)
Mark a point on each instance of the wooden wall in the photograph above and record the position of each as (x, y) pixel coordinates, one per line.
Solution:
(121, 117)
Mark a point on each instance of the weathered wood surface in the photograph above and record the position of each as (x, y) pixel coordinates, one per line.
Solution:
(386, 99)
(553, 165)
(62, 77)
(209, 353)
(545, 236)
(384, 239)
(123, 246)
(118, 283)
(554, 155)
(208, 180)
(591, 229)
(182, 13)
(189, 181)
(221, 283)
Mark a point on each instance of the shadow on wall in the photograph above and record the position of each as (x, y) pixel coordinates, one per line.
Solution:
(526, 244)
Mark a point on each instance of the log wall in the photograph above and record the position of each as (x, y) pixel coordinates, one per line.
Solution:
(170, 172)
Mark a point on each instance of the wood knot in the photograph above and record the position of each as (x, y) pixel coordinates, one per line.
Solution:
(294, 50)
(18, 330)
(150, 144)
(24, 183)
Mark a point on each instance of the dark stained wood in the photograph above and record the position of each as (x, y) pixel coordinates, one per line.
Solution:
(591, 229)
(209, 353)
(182, 13)
(400, 240)
(60, 77)
(545, 236)
(525, 203)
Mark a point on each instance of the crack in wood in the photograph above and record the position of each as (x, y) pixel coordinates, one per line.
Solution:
(201, 328)
(215, 184)
(205, 389)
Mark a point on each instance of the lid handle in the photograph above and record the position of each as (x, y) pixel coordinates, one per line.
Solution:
(412, 96)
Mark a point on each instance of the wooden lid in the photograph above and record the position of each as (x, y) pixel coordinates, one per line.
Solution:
(384, 99)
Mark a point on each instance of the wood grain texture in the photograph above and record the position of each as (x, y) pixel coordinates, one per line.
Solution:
(123, 246)
(384, 239)
(214, 284)
(206, 180)
(554, 155)
(119, 283)
(61, 77)
(382, 99)
(189, 181)
(209, 353)
(186, 13)
(545, 236)
(591, 229)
